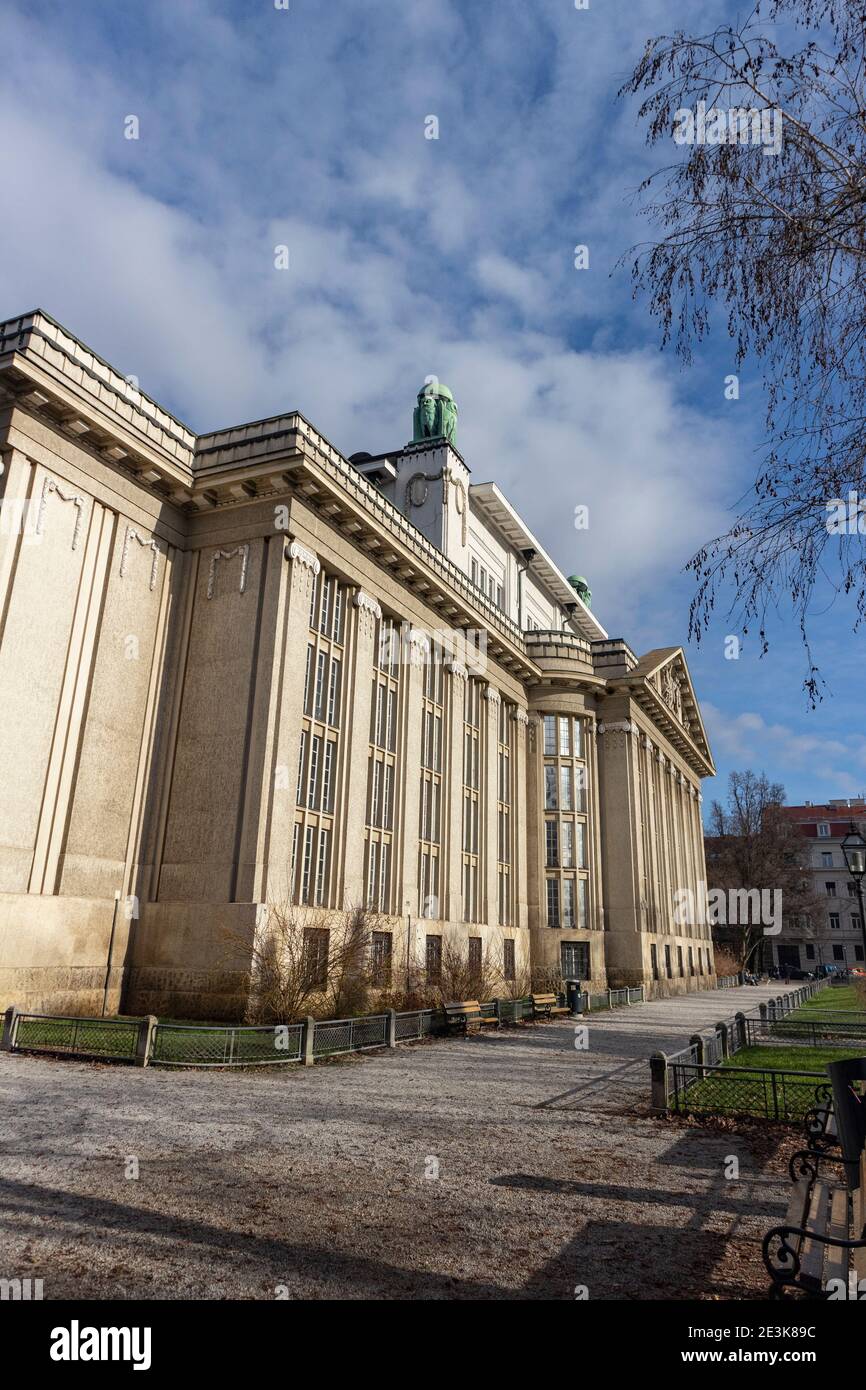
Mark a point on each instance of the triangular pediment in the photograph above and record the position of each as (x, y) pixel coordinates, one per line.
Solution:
(662, 684)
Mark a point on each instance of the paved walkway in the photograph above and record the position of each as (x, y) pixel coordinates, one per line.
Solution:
(505, 1166)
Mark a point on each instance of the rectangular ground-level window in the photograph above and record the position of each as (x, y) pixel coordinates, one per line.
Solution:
(508, 965)
(434, 959)
(574, 958)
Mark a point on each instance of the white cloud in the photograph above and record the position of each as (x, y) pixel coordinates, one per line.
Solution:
(408, 257)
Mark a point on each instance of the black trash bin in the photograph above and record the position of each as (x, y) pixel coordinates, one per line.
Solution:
(573, 994)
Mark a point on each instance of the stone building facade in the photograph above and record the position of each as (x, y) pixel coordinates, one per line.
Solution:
(239, 669)
(832, 935)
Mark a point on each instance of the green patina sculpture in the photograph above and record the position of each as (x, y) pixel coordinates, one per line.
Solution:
(435, 415)
(581, 588)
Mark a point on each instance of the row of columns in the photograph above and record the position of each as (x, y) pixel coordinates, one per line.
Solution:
(361, 625)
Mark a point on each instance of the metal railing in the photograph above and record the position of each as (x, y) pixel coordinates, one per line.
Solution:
(114, 1039)
(150, 1041)
(334, 1036)
(737, 1089)
(191, 1045)
(802, 1031)
(771, 1095)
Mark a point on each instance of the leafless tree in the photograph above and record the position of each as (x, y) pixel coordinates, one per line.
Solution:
(752, 845)
(776, 242)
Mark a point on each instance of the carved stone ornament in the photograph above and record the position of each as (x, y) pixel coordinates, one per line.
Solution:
(243, 551)
(419, 646)
(368, 604)
(49, 486)
(671, 691)
(295, 551)
(132, 535)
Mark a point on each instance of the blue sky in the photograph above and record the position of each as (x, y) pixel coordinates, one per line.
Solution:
(408, 256)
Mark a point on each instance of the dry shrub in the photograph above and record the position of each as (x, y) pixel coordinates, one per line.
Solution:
(307, 963)
(726, 961)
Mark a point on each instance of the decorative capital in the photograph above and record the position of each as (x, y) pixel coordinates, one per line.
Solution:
(369, 612)
(296, 551)
(419, 646)
(366, 601)
(458, 670)
(520, 716)
(493, 695)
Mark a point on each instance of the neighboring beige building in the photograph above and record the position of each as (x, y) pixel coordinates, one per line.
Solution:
(832, 936)
(238, 668)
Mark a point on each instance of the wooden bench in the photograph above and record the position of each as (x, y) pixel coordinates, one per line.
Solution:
(825, 1226)
(459, 1016)
(820, 1121)
(824, 1230)
(545, 1006)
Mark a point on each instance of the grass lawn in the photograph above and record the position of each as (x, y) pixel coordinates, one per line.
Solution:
(782, 1096)
(834, 997)
(793, 1058)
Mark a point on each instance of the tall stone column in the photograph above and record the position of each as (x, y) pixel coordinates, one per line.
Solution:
(417, 647)
(304, 565)
(653, 882)
(452, 812)
(489, 817)
(525, 813)
(622, 852)
(355, 735)
(595, 905)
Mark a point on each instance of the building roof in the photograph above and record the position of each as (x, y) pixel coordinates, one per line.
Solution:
(497, 508)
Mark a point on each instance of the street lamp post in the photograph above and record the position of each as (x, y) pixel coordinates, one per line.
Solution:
(854, 851)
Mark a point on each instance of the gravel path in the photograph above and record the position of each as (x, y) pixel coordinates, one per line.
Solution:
(322, 1182)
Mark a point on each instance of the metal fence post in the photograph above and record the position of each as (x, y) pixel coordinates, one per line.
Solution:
(392, 1027)
(697, 1042)
(762, 1010)
(309, 1036)
(659, 1075)
(144, 1041)
(10, 1028)
(741, 1030)
(610, 999)
(722, 1030)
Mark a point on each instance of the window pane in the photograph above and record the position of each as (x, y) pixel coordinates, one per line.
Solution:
(582, 914)
(552, 843)
(581, 845)
(568, 844)
(565, 799)
(568, 902)
(549, 734)
(553, 902)
(549, 788)
(564, 748)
